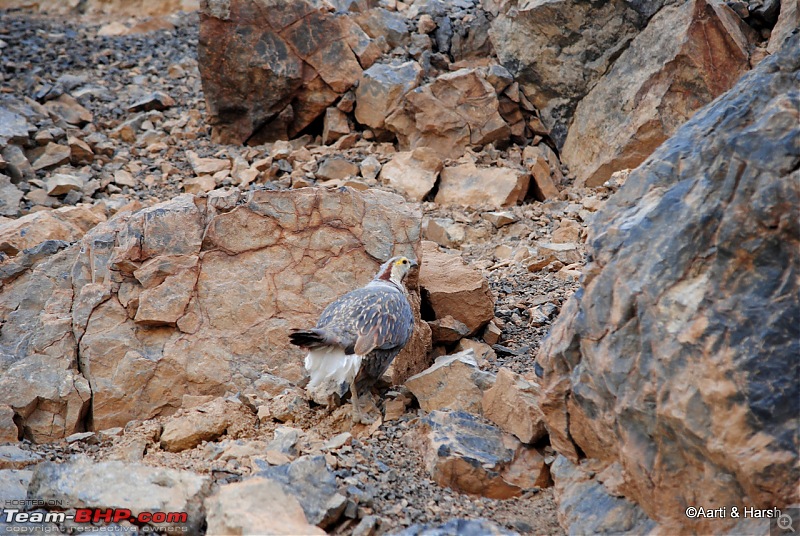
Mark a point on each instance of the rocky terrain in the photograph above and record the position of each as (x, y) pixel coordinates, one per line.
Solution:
(178, 191)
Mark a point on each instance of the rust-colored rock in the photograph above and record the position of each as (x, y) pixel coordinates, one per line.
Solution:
(452, 288)
(456, 110)
(678, 359)
(182, 298)
(269, 71)
(512, 404)
(687, 55)
(464, 454)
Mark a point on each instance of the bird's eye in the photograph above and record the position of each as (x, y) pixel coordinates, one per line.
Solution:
(405, 261)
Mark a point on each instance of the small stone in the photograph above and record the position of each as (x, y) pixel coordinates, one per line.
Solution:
(84, 437)
(338, 441)
(499, 219)
(67, 108)
(335, 125)
(80, 152)
(492, 333)
(336, 168)
(10, 196)
(158, 100)
(394, 409)
(370, 167)
(61, 183)
(445, 232)
(197, 185)
(207, 166)
(413, 173)
(447, 330)
(51, 155)
(124, 178)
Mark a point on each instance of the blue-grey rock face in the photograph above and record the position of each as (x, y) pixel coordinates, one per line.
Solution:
(678, 358)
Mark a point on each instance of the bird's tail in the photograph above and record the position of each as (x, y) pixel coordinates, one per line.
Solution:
(308, 338)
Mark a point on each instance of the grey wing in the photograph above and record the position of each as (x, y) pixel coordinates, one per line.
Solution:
(369, 318)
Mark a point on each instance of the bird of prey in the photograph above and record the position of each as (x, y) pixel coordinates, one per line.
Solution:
(358, 335)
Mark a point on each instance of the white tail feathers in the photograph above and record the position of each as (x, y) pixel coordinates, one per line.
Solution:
(331, 363)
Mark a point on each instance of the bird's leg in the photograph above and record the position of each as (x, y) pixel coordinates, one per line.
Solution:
(358, 417)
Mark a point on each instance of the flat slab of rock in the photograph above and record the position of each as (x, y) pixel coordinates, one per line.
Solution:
(13, 457)
(138, 488)
(256, 506)
(488, 187)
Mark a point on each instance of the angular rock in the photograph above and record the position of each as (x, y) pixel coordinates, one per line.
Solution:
(68, 109)
(80, 152)
(454, 111)
(206, 166)
(454, 382)
(545, 45)
(412, 173)
(445, 232)
(158, 100)
(499, 219)
(10, 196)
(138, 488)
(336, 125)
(256, 506)
(68, 224)
(464, 454)
(268, 73)
(381, 90)
(677, 359)
(389, 25)
(370, 167)
(336, 168)
(512, 404)
(61, 183)
(271, 253)
(309, 480)
(8, 429)
(13, 457)
(537, 163)
(788, 20)
(205, 423)
(17, 165)
(686, 49)
(447, 330)
(50, 155)
(494, 187)
(14, 126)
(451, 288)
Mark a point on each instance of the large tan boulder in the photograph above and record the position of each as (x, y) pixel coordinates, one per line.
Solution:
(268, 70)
(677, 361)
(194, 296)
(489, 187)
(453, 288)
(454, 111)
(687, 55)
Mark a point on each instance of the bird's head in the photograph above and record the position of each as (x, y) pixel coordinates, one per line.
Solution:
(396, 269)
